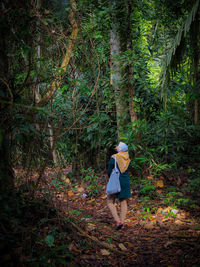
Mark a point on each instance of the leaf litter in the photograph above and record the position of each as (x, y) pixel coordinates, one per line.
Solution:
(147, 240)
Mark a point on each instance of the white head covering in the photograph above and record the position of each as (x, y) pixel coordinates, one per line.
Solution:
(122, 147)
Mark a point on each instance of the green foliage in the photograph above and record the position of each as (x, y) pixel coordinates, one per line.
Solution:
(48, 243)
(89, 176)
(147, 188)
(49, 240)
(147, 211)
(75, 212)
(178, 199)
(193, 186)
(143, 187)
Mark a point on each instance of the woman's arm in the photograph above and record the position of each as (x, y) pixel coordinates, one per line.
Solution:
(111, 165)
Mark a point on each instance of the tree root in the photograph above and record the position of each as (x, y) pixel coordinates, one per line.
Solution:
(93, 238)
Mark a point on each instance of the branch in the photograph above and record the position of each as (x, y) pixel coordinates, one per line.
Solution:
(93, 238)
(57, 83)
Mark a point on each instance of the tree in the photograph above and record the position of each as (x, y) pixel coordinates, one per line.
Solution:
(22, 74)
(188, 36)
(13, 40)
(122, 105)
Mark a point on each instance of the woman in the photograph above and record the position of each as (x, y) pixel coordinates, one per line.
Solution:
(123, 163)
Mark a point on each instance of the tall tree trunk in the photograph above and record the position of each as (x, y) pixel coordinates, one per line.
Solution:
(115, 78)
(133, 114)
(196, 51)
(122, 112)
(38, 47)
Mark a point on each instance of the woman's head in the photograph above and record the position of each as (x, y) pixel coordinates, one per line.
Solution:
(122, 147)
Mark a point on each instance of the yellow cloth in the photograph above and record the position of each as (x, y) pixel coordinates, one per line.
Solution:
(123, 160)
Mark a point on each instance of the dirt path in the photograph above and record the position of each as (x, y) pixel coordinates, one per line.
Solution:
(149, 239)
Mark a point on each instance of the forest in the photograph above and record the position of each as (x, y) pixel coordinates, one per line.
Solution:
(77, 77)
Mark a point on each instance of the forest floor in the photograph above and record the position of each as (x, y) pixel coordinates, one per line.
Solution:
(155, 234)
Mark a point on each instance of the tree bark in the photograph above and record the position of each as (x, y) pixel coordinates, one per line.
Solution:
(116, 82)
(130, 86)
(115, 77)
(54, 154)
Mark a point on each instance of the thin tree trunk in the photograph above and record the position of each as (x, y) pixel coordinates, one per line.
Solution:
(132, 111)
(38, 48)
(54, 154)
(196, 50)
(196, 112)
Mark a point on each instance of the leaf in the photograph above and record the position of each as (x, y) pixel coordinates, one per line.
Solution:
(105, 252)
(70, 193)
(91, 200)
(80, 189)
(160, 183)
(49, 240)
(66, 180)
(91, 226)
(159, 191)
(149, 226)
(74, 212)
(122, 247)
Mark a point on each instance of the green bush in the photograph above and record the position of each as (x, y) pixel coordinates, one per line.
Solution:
(89, 176)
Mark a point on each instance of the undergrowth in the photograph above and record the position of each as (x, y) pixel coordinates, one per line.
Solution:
(33, 233)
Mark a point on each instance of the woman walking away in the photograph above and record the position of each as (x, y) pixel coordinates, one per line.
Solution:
(123, 163)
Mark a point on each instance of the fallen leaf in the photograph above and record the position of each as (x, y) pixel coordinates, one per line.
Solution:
(91, 200)
(80, 189)
(70, 193)
(67, 181)
(122, 247)
(129, 244)
(134, 255)
(91, 227)
(110, 245)
(105, 252)
(149, 226)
